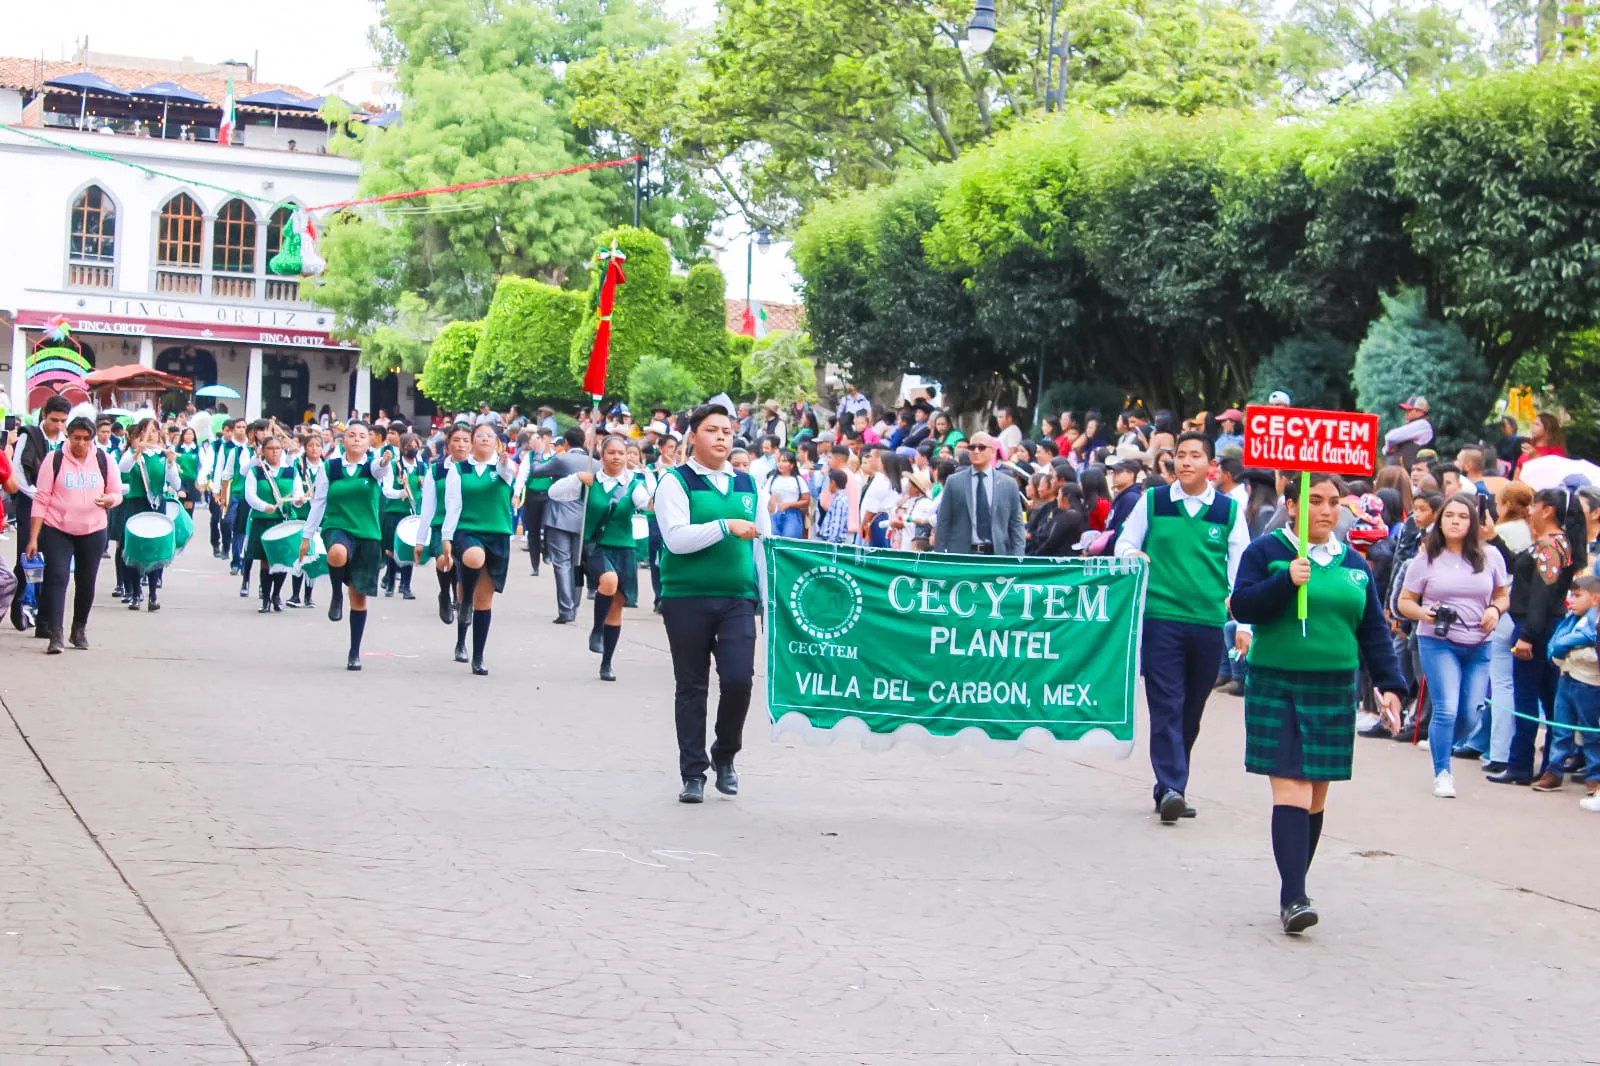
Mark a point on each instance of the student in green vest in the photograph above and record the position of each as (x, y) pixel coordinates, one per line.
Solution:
(536, 495)
(150, 478)
(189, 469)
(711, 583)
(272, 489)
(245, 436)
(1191, 536)
(1301, 687)
(309, 467)
(613, 495)
(457, 446)
(477, 530)
(408, 475)
(344, 508)
(218, 477)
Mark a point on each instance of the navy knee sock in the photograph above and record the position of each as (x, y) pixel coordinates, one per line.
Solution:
(602, 607)
(1316, 835)
(609, 635)
(1291, 832)
(358, 626)
(480, 633)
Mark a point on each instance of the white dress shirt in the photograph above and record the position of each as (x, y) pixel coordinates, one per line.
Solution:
(1137, 525)
(510, 472)
(570, 488)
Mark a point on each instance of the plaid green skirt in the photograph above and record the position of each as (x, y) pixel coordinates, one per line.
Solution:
(1299, 724)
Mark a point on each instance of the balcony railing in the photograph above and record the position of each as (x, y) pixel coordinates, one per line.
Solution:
(233, 287)
(90, 276)
(283, 290)
(178, 282)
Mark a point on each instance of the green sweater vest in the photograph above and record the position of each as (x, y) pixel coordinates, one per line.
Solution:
(189, 463)
(618, 529)
(155, 468)
(485, 500)
(352, 501)
(406, 504)
(285, 481)
(726, 568)
(437, 474)
(1336, 600)
(1188, 559)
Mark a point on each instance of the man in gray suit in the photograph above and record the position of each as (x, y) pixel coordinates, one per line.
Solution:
(563, 522)
(980, 510)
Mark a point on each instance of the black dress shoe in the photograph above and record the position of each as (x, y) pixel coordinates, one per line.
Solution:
(1465, 753)
(479, 669)
(694, 790)
(80, 639)
(55, 646)
(597, 642)
(727, 780)
(1170, 806)
(292, 602)
(1494, 767)
(407, 594)
(1189, 812)
(335, 611)
(244, 590)
(1299, 916)
(561, 620)
(266, 607)
(133, 603)
(606, 674)
(353, 663)
(153, 606)
(461, 653)
(1510, 777)
(308, 604)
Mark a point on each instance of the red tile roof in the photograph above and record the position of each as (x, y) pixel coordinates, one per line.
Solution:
(17, 73)
(787, 317)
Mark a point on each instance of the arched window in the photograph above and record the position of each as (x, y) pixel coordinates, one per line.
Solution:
(94, 227)
(233, 239)
(275, 227)
(181, 233)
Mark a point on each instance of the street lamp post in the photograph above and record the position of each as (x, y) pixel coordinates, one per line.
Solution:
(980, 35)
(763, 238)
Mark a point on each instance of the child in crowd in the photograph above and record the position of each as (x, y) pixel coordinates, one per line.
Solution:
(1572, 648)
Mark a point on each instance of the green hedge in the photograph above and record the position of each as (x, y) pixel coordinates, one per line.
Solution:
(449, 361)
(524, 354)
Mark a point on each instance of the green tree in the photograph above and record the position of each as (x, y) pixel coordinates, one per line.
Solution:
(525, 351)
(659, 382)
(1313, 368)
(1344, 50)
(700, 337)
(483, 98)
(1407, 352)
(781, 368)
(642, 320)
(444, 374)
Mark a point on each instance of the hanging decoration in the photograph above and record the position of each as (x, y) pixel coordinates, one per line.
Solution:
(297, 254)
(57, 367)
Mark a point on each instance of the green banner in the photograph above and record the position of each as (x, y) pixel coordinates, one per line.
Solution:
(1029, 651)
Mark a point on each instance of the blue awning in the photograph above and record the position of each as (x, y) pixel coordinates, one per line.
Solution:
(385, 119)
(171, 90)
(316, 102)
(277, 99)
(85, 81)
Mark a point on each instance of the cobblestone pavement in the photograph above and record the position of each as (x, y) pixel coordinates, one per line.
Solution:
(244, 854)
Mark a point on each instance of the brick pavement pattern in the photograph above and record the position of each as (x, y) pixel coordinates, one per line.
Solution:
(249, 855)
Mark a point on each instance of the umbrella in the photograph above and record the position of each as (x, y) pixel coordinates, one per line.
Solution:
(1549, 471)
(166, 92)
(221, 392)
(84, 81)
(385, 119)
(277, 98)
(316, 102)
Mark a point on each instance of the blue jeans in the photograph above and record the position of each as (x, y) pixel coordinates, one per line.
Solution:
(1458, 683)
(1577, 704)
(1493, 735)
(1231, 667)
(1534, 682)
(233, 524)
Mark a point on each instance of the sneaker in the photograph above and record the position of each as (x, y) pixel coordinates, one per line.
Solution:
(1366, 720)
(1444, 786)
(1591, 803)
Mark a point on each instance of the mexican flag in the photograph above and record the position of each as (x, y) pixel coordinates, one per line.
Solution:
(225, 130)
(755, 320)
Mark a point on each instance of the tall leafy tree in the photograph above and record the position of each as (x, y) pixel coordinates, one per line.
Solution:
(484, 97)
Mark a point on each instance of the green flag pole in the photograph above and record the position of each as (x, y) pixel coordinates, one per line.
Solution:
(1302, 528)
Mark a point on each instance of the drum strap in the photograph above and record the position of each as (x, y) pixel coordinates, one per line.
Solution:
(405, 483)
(277, 494)
(144, 475)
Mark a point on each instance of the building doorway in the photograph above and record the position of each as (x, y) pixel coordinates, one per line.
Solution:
(196, 364)
(385, 395)
(285, 388)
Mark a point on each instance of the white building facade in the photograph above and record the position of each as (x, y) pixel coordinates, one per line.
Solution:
(171, 272)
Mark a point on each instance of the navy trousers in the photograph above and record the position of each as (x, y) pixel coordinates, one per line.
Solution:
(700, 628)
(1180, 664)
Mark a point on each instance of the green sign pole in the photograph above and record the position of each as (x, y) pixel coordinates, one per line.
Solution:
(1302, 528)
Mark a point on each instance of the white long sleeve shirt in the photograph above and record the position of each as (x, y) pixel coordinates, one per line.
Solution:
(1137, 525)
(570, 488)
(16, 459)
(683, 537)
(381, 470)
(173, 482)
(253, 484)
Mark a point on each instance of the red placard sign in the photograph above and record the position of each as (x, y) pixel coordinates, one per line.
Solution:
(1299, 438)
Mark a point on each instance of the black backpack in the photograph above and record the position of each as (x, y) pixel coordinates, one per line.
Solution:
(58, 457)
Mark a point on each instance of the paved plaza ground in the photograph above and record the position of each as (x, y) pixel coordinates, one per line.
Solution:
(219, 847)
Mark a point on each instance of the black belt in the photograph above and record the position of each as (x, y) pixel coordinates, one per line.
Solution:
(983, 549)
